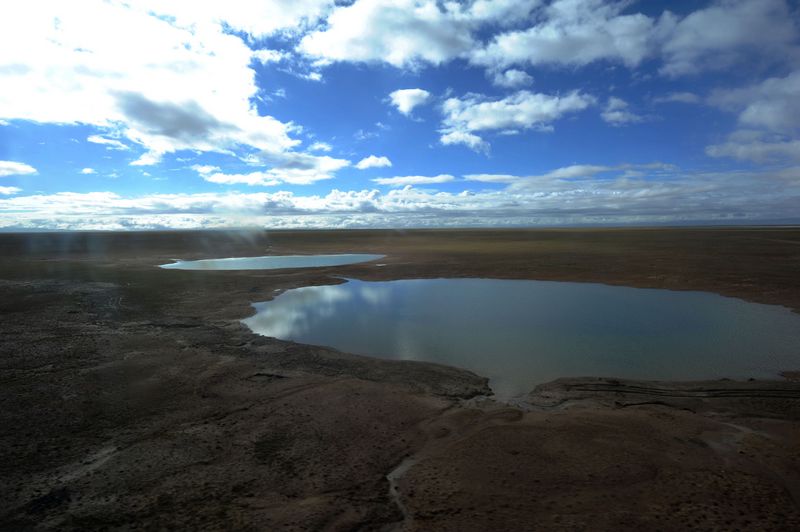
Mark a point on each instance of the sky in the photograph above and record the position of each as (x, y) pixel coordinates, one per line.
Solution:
(155, 114)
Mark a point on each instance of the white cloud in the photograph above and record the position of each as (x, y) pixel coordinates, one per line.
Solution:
(563, 174)
(677, 97)
(311, 76)
(266, 56)
(501, 12)
(320, 146)
(570, 195)
(373, 162)
(492, 178)
(292, 169)
(413, 180)
(771, 104)
(87, 171)
(617, 113)
(726, 32)
(263, 179)
(756, 146)
(186, 86)
(9, 191)
(572, 32)
(519, 111)
(406, 33)
(407, 99)
(111, 144)
(398, 32)
(148, 159)
(14, 168)
(580, 32)
(575, 172)
(258, 19)
(768, 117)
(204, 169)
(361, 134)
(512, 79)
(470, 140)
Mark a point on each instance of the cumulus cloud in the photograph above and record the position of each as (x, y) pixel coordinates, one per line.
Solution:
(406, 180)
(398, 32)
(191, 85)
(187, 122)
(572, 32)
(15, 168)
(320, 146)
(519, 111)
(726, 32)
(405, 100)
(407, 33)
(768, 115)
(204, 169)
(617, 113)
(266, 56)
(187, 86)
(87, 171)
(500, 34)
(771, 104)
(580, 32)
(373, 162)
(470, 140)
(498, 12)
(512, 79)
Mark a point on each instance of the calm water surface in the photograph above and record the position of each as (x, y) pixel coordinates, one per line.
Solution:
(521, 333)
(273, 262)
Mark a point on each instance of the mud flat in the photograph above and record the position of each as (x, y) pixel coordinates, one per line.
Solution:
(132, 397)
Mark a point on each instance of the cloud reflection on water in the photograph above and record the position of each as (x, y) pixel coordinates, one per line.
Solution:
(520, 333)
(295, 312)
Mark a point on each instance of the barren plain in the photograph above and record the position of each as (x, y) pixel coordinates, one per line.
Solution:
(132, 398)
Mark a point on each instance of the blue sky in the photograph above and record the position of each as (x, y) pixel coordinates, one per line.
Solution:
(397, 113)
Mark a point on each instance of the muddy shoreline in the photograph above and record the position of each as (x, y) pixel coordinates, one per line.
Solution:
(133, 398)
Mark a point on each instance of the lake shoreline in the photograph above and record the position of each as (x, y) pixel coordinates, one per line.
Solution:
(125, 404)
(550, 329)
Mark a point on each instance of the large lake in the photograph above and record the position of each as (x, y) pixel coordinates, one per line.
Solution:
(521, 333)
(271, 262)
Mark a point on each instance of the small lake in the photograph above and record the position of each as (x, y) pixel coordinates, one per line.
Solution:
(523, 333)
(274, 262)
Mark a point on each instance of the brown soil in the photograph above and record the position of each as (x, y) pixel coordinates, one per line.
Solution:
(132, 398)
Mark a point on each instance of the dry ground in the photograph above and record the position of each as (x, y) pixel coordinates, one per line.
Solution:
(132, 398)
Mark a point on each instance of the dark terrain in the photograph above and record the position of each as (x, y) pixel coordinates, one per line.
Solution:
(133, 398)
